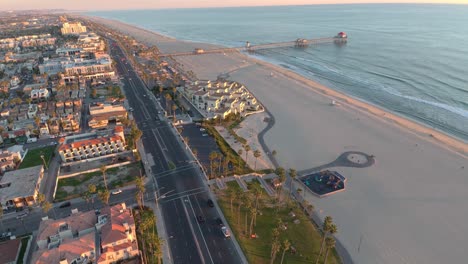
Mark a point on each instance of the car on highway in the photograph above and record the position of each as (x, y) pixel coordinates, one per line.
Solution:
(219, 222)
(202, 129)
(226, 232)
(204, 134)
(116, 192)
(65, 205)
(201, 219)
(210, 203)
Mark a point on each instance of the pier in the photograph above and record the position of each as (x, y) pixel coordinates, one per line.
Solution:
(298, 43)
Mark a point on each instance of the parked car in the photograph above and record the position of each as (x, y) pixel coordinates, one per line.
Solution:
(201, 219)
(116, 191)
(210, 203)
(65, 205)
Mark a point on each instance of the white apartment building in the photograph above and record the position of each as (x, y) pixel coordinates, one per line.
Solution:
(74, 28)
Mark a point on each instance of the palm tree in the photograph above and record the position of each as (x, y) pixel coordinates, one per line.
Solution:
(195, 152)
(104, 196)
(103, 171)
(140, 191)
(275, 248)
(253, 215)
(46, 206)
(239, 195)
(174, 108)
(87, 197)
(328, 227)
(286, 245)
(92, 191)
(273, 153)
(282, 177)
(168, 98)
(330, 244)
(213, 155)
(256, 154)
(240, 151)
(247, 149)
(174, 90)
(293, 175)
(257, 192)
(231, 193)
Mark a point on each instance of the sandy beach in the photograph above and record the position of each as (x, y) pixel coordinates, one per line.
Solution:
(409, 207)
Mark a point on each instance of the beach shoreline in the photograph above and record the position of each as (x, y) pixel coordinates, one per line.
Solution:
(434, 136)
(389, 206)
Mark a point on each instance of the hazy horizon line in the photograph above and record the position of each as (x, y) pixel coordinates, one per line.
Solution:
(220, 7)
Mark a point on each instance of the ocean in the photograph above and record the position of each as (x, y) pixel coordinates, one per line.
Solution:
(407, 58)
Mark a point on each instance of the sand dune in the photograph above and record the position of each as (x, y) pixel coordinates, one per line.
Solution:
(409, 207)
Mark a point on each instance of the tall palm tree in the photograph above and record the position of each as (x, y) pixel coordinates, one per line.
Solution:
(104, 196)
(253, 215)
(275, 248)
(239, 195)
(103, 170)
(247, 149)
(281, 178)
(256, 154)
(330, 244)
(46, 206)
(328, 227)
(140, 191)
(240, 151)
(213, 155)
(293, 175)
(168, 98)
(174, 108)
(286, 246)
(87, 197)
(231, 193)
(92, 191)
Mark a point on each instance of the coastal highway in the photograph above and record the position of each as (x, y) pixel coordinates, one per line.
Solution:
(186, 193)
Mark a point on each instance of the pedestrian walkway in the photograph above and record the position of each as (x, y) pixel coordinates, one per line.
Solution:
(267, 187)
(241, 183)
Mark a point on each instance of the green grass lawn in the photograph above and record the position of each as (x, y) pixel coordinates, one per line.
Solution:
(33, 157)
(73, 187)
(24, 244)
(304, 237)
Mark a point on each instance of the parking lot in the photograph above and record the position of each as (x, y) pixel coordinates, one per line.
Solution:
(201, 141)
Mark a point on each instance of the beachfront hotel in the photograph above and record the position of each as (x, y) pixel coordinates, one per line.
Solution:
(217, 99)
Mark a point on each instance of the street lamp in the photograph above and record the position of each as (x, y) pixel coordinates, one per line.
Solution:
(43, 160)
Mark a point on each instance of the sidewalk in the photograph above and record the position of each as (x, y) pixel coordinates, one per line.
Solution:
(160, 226)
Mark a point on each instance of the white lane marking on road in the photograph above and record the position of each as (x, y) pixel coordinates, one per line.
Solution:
(184, 193)
(193, 232)
(159, 139)
(201, 232)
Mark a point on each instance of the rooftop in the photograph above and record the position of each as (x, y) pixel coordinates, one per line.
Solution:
(76, 222)
(20, 183)
(69, 249)
(9, 250)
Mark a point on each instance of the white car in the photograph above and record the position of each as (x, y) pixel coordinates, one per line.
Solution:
(225, 231)
(202, 129)
(117, 192)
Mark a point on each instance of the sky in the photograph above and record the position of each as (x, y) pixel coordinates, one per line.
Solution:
(157, 4)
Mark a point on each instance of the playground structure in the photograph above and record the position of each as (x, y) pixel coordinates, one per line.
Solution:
(324, 183)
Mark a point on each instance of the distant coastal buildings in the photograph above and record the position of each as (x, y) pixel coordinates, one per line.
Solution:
(72, 28)
(217, 99)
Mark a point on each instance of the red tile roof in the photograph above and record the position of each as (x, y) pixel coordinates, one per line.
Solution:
(89, 142)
